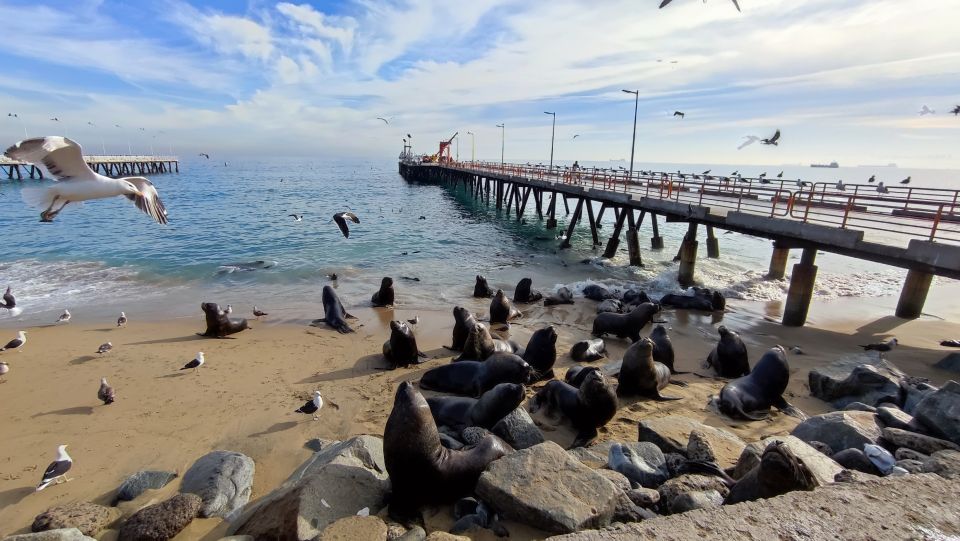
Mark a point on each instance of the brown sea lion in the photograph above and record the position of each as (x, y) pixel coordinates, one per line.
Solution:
(459, 412)
(463, 322)
(663, 348)
(729, 358)
(481, 344)
(577, 373)
(401, 349)
(641, 375)
(481, 289)
(625, 325)
(334, 314)
(562, 296)
(699, 299)
(779, 472)
(501, 309)
(751, 396)
(473, 378)
(541, 352)
(384, 297)
(524, 293)
(219, 324)
(588, 350)
(588, 407)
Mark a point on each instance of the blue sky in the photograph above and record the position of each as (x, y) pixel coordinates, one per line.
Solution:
(843, 79)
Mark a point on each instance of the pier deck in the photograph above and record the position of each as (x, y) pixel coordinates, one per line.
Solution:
(110, 166)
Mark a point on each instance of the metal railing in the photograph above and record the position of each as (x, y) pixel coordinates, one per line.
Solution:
(111, 158)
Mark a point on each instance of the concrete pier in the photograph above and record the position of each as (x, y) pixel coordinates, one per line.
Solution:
(913, 294)
(656, 242)
(801, 289)
(614, 243)
(633, 240)
(688, 256)
(713, 244)
(778, 261)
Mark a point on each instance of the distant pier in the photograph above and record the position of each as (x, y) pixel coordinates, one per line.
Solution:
(109, 166)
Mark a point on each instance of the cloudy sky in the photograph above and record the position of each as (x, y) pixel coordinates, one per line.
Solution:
(843, 79)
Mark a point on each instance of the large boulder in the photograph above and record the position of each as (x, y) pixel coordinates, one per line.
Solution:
(162, 521)
(351, 528)
(918, 442)
(518, 429)
(63, 534)
(840, 429)
(142, 481)
(545, 487)
(857, 378)
(896, 418)
(672, 433)
(688, 492)
(939, 412)
(222, 479)
(943, 463)
(821, 466)
(89, 518)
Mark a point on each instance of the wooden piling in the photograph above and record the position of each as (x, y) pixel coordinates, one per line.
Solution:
(656, 242)
(551, 211)
(688, 256)
(633, 239)
(713, 245)
(914, 294)
(801, 289)
(593, 223)
(573, 223)
(614, 242)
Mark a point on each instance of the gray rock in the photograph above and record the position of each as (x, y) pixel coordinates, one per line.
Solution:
(944, 463)
(222, 479)
(672, 433)
(142, 481)
(895, 418)
(909, 454)
(840, 429)
(473, 435)
(857, 378)
(63, 534)
(699, 448)
(590, 456)
(644, 497)
(618, 479)
(89, 518)
(823, 468)
(749, 459)
(696, 500)
(918, 442)
(162, 521)
(518, 429)
(939, 412)
(354, 527)
(859, 406)
(360, 451)
(912, 466)
(413, 534)
(545, 487)
(950, 363)
(913, 390)
(672, 498)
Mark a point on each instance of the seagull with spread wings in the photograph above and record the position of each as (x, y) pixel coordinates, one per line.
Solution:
(341, 219)
(77, 182)
(772, 140)
(750, 139)
(679, 114)
(385, 121)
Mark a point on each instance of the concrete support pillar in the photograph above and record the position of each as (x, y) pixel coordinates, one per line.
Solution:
(688, 256)
(614, 241)
(778, 262)
(713, 244)
(656, 242)
(801, 289)
(573, 223)
(551, 212)
(633, 240)
(913, 294)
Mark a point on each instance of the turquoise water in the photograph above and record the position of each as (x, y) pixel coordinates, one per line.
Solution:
(105, 256)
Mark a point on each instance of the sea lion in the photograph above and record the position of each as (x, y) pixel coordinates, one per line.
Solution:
(473, 378)
(577, 373)
(463, 323)
(779, 472)
(632, 296)
(481, 289)
(481, 344)
(219, 324)
(523, 292)
(612, 306)
(729, 358)
(625, 325)
(750, 396)
(588, 407)
(597, 292)
(588, 350)
(501, 309)
(641, 375)
(699, 299)
(401, 349)
(458, 412)
(562, 296)
(541, 352)
(421, 470)
(663, 348)
(334, 314)
(622, 459)
(384, 297)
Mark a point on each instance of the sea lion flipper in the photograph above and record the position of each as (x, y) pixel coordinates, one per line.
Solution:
(584, 438)
(660, 398)
(348, 315)
(421, 354)
(789, 409)
(678, 383)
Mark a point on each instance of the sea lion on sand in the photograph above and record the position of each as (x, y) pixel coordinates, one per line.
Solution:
(562, 296)
(612, 306)
(588, 350)
(625, 325)
(779, 472)
(641, 375)
(481, 344)
(334, 314)
(588, 407)
(401, 349)
(729, 358)
(421, 470)
(384, 297)
(663, 348)
(501, 309)
(481, 289)
(523, 292)
(699, 299)
(632, 296)
(577, 373)
(219, 324)
(473, 378)
(541, 352)
(750, 396)
(463, 323)
(597, 292)
(458, 412)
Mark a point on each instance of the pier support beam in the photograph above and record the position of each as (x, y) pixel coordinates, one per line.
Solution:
(688, 256)
(713, 244)
(801, 289)
(778, 261)
(913, 294)
(614, 241)
(573, 222)
(552, 212)
(593, 223)
(633, 240)
(656, 242)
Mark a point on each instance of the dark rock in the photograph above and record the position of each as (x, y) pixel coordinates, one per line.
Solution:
(672, 433)
(918, 442)
(950, 363)
(909, 454)
(860, 378)
(162, 521)
(944, 463)
(859, 406)
(749, 459)
(895, 418)
(855, 459)
(223, 479)
(840, 429)
(518, 429)
(912, 391)
(939, 412)
(142, 481)
(89, 518)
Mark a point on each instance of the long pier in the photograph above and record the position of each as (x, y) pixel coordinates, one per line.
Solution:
(913, 228)
(110, 166)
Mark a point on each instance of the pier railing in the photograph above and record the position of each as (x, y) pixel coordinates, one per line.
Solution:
(111, 165)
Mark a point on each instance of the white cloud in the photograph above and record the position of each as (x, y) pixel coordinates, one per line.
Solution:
(313, 23)
(226, 33)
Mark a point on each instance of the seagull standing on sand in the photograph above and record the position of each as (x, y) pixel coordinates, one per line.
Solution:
(122, 320)
(881, 347)
(341, 219)
(105, 348)
(77, 182)
(106, 392)
(257, 312)
(955, 110)
(750, 139)
(8, 301)
(312, 406)
(64, 317)
(196, 363)
(57, 469)
(17, 342)
(4, 368)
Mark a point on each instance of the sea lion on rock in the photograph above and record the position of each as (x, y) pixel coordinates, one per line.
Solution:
(779, 472)
(577, 373)
(541, 352)
(219, 324)
(641, 375)
(597, 292)
(481, 289)
(401, 349)
(663, 348)
(625, 325)
(523, 292)
(473, 378)
(458, 412)
(334, 314)
(421, 470)
(588, 407)
(750, 396)
(501, 309)
(384, 297)
(588, 350)
(612, 306)
(481, 344)
(463, 323)
(729, 358)
(562, 296)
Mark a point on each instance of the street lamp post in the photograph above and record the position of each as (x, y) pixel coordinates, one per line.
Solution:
(553, 131)
(473, 147)
(503, 136)
(633, 143)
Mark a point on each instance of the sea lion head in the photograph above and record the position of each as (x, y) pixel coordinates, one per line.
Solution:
(723, 332)
(644, 348)
(598, 396)
(659, 331)
(460, 313)
(548, 333)
(400, 327)
(499, 296)
(386, 282)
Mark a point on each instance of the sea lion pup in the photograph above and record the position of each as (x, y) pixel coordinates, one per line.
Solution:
(463, 323)
(562, 296)
(473, 378)
(541, 352)
(577, 373)
(597, 292)
(219, 324)
(421, 470)
(334, 314)
(588, 407)
(501, 309)
(612, 306)
(663, 348)
(729, 358)
(384, 297)
(749, 397)
(457, 412)
(481, 344)
(625, 325)
(779, 472)
(524, 293)
(481, 289)
(588, 350)
(641, 375)
(401, 349)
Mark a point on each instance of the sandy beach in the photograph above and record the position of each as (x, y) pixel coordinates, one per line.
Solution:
(244, 396)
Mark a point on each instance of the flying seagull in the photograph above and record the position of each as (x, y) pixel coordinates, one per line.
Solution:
(873, 178)
(750, 139)
(17, 342)
(64, 317)
(780, 175)
(57, 469)
(296, 217)
(122, 320)
(955, 110)
(106, 392)
(926, 111)
(204, 154)
(578, 135)
(312, 406)
(341, 220)
(679, 114)
(385, 121)
(196, 363)
(665, 2)
(105, 348)
(8, 301)
(773, 140)
(258, 312)
(905, 181)
(64, 159)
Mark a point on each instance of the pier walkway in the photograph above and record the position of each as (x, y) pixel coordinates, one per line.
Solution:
(110, 166)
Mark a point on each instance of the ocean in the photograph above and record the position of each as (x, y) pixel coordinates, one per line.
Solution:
(230, 240)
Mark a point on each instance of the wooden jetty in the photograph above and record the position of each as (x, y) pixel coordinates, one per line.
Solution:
(913, 228)
(110, 166)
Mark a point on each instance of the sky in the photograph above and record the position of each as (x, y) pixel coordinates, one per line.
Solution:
(843, 80)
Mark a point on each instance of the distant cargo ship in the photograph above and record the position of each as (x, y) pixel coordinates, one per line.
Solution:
(831, 165)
